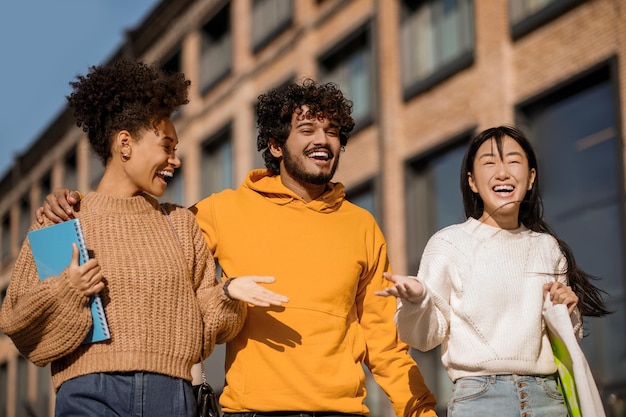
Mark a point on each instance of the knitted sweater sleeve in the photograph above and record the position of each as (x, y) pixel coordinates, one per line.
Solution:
(223, 318)
(425, 325)
(45, 319)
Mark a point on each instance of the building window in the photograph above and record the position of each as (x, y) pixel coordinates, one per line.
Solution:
(96, 170)
(173, 63)
(45, 187)
(364, 196)
(217, 162)
(433, 195)
(171, 66)
(437, 41)
(526, 15)
(350, 66)
(22, 405)
(70, 172)
(575, 132)
(6, 238)
(43, 391)
(269, 18)
(4, 387)
(215, 49)
(25, 218)
(433, 201)
(175, 190)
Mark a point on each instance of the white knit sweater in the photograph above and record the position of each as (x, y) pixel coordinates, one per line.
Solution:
(483, 300)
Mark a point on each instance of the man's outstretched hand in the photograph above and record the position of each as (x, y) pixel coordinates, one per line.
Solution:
(58, 206)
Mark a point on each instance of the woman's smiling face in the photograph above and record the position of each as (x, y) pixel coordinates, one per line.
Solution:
(501, 179)
(152, 159)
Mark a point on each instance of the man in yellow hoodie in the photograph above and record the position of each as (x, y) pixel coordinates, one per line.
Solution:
(326, 254)
(290, 222)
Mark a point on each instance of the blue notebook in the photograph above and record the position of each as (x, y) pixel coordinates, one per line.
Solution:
(52, 250)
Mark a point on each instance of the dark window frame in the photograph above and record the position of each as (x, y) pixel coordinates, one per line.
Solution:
(215, 140)
(542, 17)
(369, 184)
(463, 61)
(606, 71)
(208, 85)
(263, 41)
(331, 56)
(412, 165)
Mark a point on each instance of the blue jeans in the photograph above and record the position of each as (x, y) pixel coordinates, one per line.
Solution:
(132, 394)
(506, 396)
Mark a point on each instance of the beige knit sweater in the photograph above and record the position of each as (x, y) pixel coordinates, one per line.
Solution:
(164, 307)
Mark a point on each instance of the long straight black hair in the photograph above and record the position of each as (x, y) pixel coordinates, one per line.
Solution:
(590, 301)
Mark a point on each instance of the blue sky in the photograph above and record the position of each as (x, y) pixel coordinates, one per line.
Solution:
(44, 45)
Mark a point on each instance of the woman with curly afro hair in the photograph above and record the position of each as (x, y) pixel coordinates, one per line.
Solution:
(151, 266)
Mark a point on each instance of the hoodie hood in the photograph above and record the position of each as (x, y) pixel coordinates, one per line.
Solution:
(263, 182)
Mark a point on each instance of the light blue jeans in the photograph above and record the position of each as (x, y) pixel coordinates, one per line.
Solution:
(129, 394)
(506, 396)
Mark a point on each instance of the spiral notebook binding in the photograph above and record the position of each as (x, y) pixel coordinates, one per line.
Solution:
(82, 247)
(101, 331)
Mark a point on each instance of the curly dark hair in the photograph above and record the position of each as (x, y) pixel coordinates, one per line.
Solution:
(126, 94)
(275, 109)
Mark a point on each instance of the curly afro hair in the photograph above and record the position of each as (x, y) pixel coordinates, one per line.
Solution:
(126, 95)
(275, 109)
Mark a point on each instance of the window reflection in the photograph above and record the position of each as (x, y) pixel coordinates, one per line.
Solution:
(575, 134)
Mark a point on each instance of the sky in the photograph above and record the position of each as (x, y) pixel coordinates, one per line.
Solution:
(44, 44)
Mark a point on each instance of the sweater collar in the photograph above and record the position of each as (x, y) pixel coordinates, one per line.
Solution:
(484, 230)
(270, 186)
(138, 204)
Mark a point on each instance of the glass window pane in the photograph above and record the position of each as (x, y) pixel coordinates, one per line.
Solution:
(350, 68)
(21, 387)
(364, 197)
(70, 173)
(45, 187)
(216, 44)
(269, 17)
(521, 9)
(43, 391)
(217, 163)
(6, 238)
(96, 170)
(433, 35)
(4, 387)
(580, 178)
(444, 175)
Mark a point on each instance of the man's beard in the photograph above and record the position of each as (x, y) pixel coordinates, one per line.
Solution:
(295, 170)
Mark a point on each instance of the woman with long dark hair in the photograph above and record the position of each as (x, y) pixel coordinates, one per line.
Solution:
(480, 288)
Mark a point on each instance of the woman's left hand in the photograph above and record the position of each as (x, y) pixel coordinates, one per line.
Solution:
(561, 294)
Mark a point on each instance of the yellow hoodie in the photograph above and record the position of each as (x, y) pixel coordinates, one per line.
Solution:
(328, 256)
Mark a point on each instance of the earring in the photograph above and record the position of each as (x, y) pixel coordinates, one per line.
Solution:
(125, 157)
(343, 148)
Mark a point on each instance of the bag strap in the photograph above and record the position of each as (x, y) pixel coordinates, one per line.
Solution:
(203, 370)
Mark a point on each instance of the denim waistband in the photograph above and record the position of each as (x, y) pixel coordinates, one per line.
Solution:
(512, 377)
